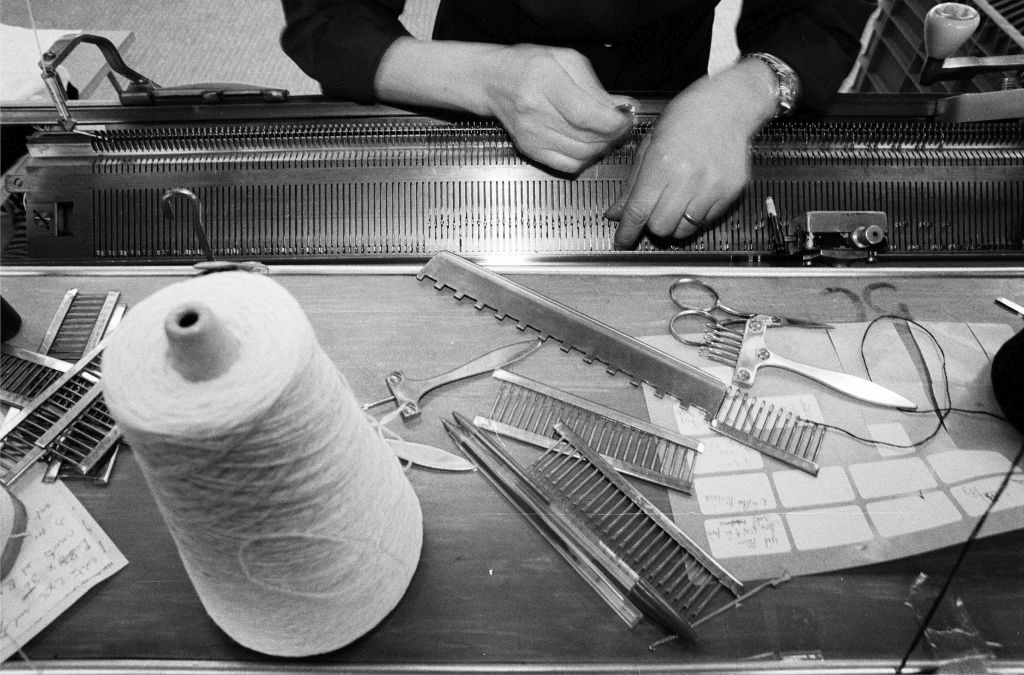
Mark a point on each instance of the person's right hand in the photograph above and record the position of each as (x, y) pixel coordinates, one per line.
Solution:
(554, 107)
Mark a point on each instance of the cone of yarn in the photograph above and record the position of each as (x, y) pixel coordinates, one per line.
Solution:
(295, 523)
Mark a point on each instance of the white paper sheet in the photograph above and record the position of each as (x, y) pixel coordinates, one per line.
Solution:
(65, 553)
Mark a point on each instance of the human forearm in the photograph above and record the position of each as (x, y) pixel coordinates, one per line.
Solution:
(548, 99)
(819, 39)
(449, 75)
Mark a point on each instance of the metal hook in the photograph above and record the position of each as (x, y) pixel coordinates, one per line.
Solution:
(197, 216)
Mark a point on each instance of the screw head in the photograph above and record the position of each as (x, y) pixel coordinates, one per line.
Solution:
(756, 325)
(763, 354)
(394, 378)
(743, 375)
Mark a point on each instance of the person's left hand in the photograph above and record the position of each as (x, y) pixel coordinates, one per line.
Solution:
(695, 163)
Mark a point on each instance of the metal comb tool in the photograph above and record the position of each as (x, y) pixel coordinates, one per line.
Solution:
(782, 435)
(68, 419)
(747, 352)
(658, 567)
(507, 477)
(527, 411)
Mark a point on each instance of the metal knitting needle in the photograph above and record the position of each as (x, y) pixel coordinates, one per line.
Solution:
(1011, 305)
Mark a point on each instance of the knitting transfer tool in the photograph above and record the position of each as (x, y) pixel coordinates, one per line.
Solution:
(508, 478)
(407, 392)
(639, 361)
(748, 352)
(68, 419)
(660, 569)
(24, 374)
(527, 411)
(698, 299)
(78, 324)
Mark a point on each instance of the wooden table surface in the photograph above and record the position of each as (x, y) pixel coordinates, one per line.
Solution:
(489, 591)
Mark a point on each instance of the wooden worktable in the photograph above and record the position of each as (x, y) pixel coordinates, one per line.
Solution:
(489, 591)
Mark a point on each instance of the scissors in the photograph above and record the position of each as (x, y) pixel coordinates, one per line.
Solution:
(682, 291)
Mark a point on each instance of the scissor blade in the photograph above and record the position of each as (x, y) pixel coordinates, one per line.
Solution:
(429, 456)
(408, 392)
(802, 323)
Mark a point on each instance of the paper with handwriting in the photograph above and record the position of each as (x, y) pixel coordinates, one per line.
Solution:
(65, 553)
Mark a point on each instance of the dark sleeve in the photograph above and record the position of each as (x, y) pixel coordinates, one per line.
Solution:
(339, 43)
(819, 39)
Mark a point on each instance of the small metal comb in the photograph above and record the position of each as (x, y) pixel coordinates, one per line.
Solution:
(632, 446)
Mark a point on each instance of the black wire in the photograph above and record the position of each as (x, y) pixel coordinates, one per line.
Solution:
(941, 412)
(959, 560)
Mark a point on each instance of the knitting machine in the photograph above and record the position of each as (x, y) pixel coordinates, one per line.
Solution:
(314, 181)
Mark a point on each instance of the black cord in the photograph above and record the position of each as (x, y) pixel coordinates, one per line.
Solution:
(959, 560)
(941, 412)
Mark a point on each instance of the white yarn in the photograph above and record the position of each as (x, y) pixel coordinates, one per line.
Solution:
(294, 520)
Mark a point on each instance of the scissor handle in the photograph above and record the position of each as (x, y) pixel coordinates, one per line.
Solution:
(716, 301)
(709, 320)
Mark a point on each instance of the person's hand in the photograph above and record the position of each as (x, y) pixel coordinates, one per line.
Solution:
(695, 163)
(554, 108)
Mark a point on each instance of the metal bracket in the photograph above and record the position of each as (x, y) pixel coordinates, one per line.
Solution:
(140, 90)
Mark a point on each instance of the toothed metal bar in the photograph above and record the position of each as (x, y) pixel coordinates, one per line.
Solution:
(632, 446)
(771, 435)
(770, 429)
(575, 331)
(24, 374)
(578, 479)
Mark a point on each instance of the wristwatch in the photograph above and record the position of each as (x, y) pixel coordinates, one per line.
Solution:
(787, 82)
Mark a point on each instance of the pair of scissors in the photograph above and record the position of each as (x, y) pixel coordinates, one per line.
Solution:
(697, 299)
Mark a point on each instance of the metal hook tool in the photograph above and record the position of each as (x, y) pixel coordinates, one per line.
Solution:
(210, 264)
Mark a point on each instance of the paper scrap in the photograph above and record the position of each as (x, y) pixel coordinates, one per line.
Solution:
(747, 535)
(828, 527)
(919, 512)
(955, 466)
(737, 493)
(976, 496)
(889, 477)
(798, 489)
(892, 433)
(65, 553)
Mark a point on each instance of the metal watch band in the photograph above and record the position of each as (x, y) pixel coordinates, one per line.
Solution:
(788, 83)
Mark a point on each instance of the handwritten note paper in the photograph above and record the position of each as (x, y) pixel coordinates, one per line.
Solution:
(64, 554)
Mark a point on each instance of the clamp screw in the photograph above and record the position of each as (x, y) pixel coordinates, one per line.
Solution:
(743, 375)
(756, 325)
(763, 354)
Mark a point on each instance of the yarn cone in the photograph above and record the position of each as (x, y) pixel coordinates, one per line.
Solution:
(295, 523)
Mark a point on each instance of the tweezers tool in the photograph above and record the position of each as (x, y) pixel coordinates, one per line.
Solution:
(407, 392)
(748, 352)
